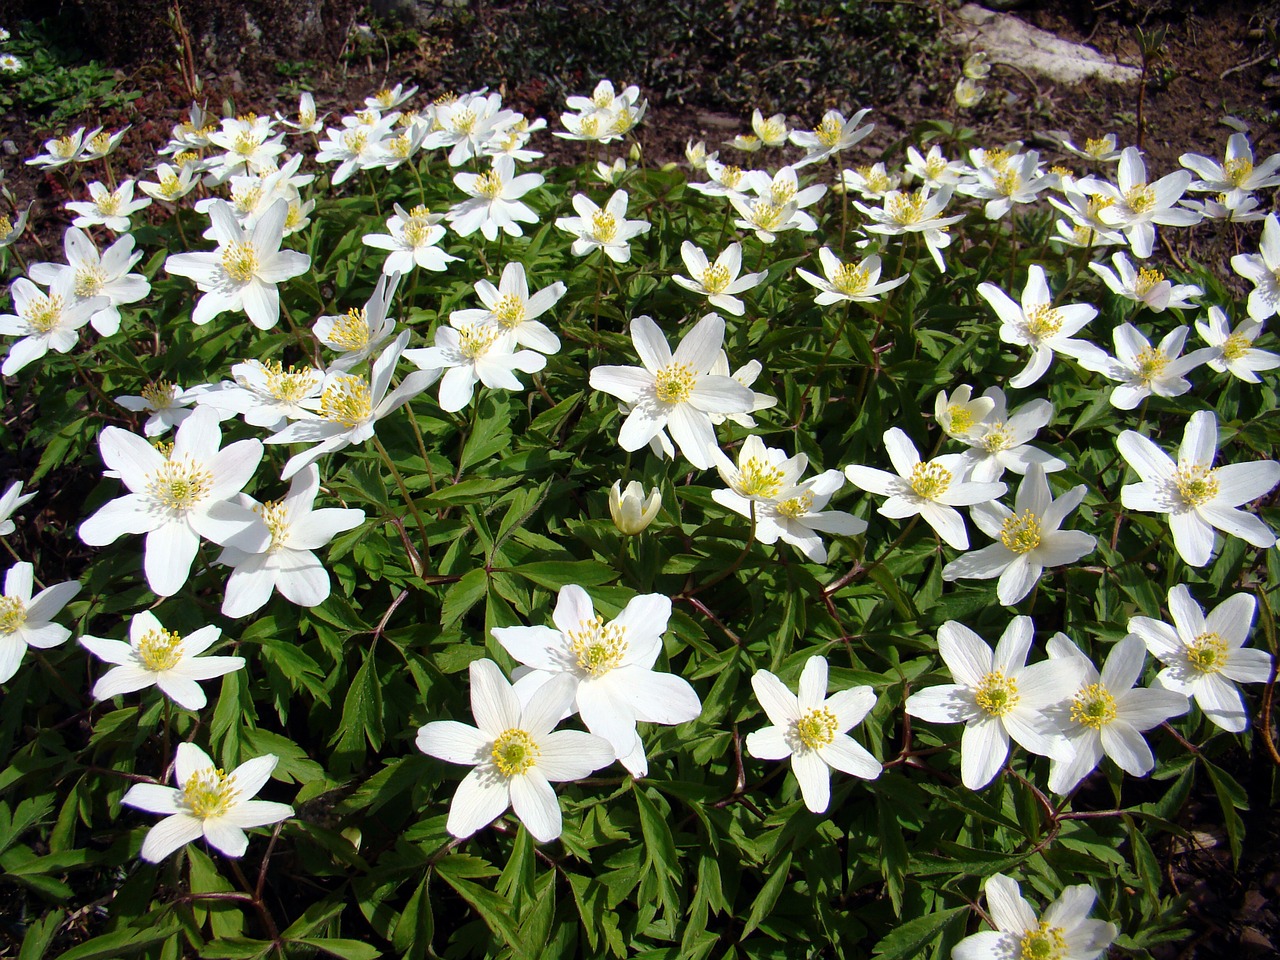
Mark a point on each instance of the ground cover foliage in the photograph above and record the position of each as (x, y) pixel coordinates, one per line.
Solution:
(480, 508)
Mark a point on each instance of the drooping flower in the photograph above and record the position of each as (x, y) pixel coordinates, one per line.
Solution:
(1204, 656)
(1198, 496)
(811, 728)
(27, 621)
(674, 392)
(612, 666)
(515, 753)
(1065, 933)
(12, 499)
(161, 658)
(206, 803)
(997, 697)
(1027, 538)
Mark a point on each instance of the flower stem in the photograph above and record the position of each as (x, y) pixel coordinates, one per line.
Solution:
(408, 499)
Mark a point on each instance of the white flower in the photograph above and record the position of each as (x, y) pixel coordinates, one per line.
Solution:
(1108, 713)
(167, 403)
(766, 218)
(97, 275)
(834, 134)
(10, 63)
(27, 621)
(811, 728)
(1146, 286)
(13, 499)
(1230, 207)
(1204, 657)
(102, 144)
(45, 322)
(512, 311)
(478, 352)
(265, 394)
(175, 498)
(1002, 441)
(349, 408)
(968, 93)
(248, 146)
(207, 803)
(611, 665)
(718, 282)
(917, 211)
(1236, 174)
(11, 230)
(242, 274)
(412, 241)
(933, 169)
(872, 181)
(161, 658)
(606, 229)
(1262, 269)
(611, 173)
(772, 131)
(631, 510)
(1084, 230)
(1142, 370)
(674, 392)
(356, 334)
(465, 125)
(62, 150)
(1233, 350)
(494, 202)
(1027, 539)
(354, 148)
(1038, 324)
(110, 208)
(1065, 933)
(514, 753)
(1016, 181)
(389, 99)
(767, 485)
(997, 697)
(848, 282)
(696, 154)
(1097, 149)
(726, 180)
(1137, 206)
(961, 415)
(278, 550)
(171, 185)
(1198, 497)
(783, 188)
(933, 490)
(747, 374)
(307, 121)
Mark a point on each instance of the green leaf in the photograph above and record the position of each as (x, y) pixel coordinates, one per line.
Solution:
(463, 595)
(554, 574)
(347, 949)
(493, 909)
(909, 939)
(767, 899)
(119, 943)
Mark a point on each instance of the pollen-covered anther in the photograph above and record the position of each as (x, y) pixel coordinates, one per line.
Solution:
(1140, 198)
(289, 385)
(1043, 321)
(346, 400)
(674, 383)
(851, 279)
(351, 331)
(1020, 533)
(828, 131)
(1093, 706)
(43, 312)
(716, 278)
(1236, 346)
(1148, 279)
(180, 484)
(598, 646)
(1043, 943)
(1207, 653)
(759, 478)
(489, 185)
(816, 728)
(160, 650)
(475, 340)
(1149, 364)
(1238, 170)
(275, 514)
(604, 226)
(240, 261)
(514, 752)
(159, 395)
(794, 507)
(509, 310)
(89, 280)
(929, 480)
(996, 694)
(208, 793)
(13, 614)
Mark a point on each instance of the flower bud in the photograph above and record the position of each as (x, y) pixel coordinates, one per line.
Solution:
(976, 66)
(631, 510)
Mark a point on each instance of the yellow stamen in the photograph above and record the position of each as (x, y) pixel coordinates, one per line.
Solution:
(604, 226)
(1207, 653)
(13, 614)
(351, 331)
(1021, 532)
(715, 278)
(159, 395)
(43, 312)
(275, 515)
(514, 752)
(1043, 321)
(1147, 280)
(599, 646)
(794, 507)
(509, 310)
(675, 383)
(180, 485)
(240, 261)
(160, 650)
(930, 480)
(1149, 364)
(816, 728)
(1043, 943)
(851, 279)
(996, 694)
(208, 793)
(1093, 706)
(1238, 170)
(489, 185)
(347, 400)
(1196, 483)
(758, 478)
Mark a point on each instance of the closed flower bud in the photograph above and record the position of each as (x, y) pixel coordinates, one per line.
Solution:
(631, 510)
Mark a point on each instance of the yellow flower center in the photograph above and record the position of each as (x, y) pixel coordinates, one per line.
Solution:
(1236, 346)
(6, 226)
(208, 793)
(417, 229)
(1093, 706)
(1062, 171)
(731, 176)
(996, 694)
(748, 141)
(929, 480)
(1008, 180)
(385, 98)
(185, 157)
(108, 203)
(514, 752)
(346, 400)
(960, 418)
(766, 215)
(159, 395)
(240, 261)
(351, 331)
(489, 185)
(828, 131)
(367, 118)
(715, 278)
(1097, 147)
(624, 120)
(1207, 653)
(275, 515)
(674, 383)
(794, 507)
(289, 386)
(306, 118)
(509, 310)
(996, 159)
(816, 728)
(602, 99)
(997, 438)
(476, 339)
(604, 226)
(1021, 532)
(160, 650)
(1149, 364)
(1147, 280)
(100, 143)
(782, 192)
(400, 145)
(905, 208)
(90, 280)
(445, 98)
(245, 199)
(875, 178)
(1196, 483)
(13, 614)
(355, 140)
(293, 218)
(1140, 198)
(1043, 321)
(1083, 236)
(590, 126)
(246, 142)
(599, 646)
(773, 131)
(1238, 170)
(1043, 943)
(759, 478)
(180, 485)
(64, 147)
(851, 279)
(43, 312)
(935, 165)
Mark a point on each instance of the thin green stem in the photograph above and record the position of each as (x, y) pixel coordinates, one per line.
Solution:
(408, 498)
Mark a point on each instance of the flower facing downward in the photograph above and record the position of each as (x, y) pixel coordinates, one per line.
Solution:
(208, 802)
(162, 658)
(631, 510)
(1065, 933)
(514, 753)
(1204, 656)
(811, 728)
(26, 621)
(1198, 496)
